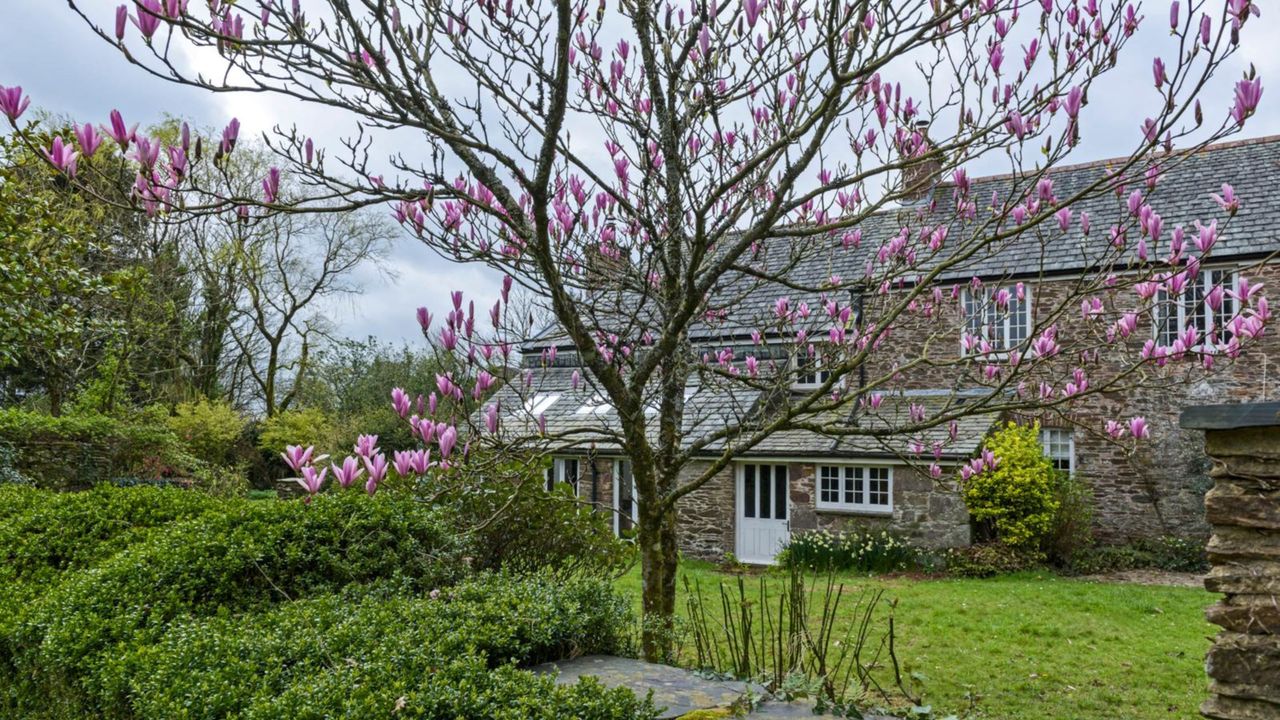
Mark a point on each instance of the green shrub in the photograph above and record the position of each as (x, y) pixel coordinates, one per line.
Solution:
(521, 526)
(43, 533)
(861, 550)
(80, 451)
(1174, 554)
(361, 653)
(249, 555)
(1072, 527)
(308, 426)
(208, 430)
(989, 559)
(1017, 497)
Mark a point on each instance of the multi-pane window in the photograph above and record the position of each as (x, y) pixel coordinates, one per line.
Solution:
(563, 470)
(1060, 447)
(855, 487)
(809, 373)
(764, 491)
(1173, 315)
(998, 316)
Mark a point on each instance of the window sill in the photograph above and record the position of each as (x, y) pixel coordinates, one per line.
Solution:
(866, 512)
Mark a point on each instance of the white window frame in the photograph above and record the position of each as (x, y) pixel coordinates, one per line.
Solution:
(846, 474)
(558, 472)
(1191, 307)
(617, 496)
(1048, 442)
(984, 302)
(801, 378)
(540, 402)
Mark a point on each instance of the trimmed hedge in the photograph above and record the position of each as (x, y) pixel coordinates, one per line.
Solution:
(248, 556)
(163, 603)
(75, 452)
(44, 534)
(360, 656)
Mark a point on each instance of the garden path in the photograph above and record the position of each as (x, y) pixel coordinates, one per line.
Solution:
(683, 694)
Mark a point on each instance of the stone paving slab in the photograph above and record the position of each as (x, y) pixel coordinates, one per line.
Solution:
(679, 691)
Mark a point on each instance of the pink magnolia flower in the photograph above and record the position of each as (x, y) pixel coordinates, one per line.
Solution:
(348, 473)
(424, 319)
(122, 18)
(229, 136)
(271, 185)
(1227, 200)
(12, 103)
(120, 132)
(1138, 428)
(295, 456)
(87, 136)
(366, 445)
(402, 462)
(400, 401)
(1115, 429)
(312, 479)
(377, 468)
(447, 439)
(491, 418)
(62, 156)
(1248, 93)
(148, 17)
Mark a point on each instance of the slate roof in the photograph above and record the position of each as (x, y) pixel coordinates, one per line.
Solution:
(1182, 196)
(579, 418)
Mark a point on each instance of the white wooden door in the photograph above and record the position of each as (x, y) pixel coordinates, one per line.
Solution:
(763, 490)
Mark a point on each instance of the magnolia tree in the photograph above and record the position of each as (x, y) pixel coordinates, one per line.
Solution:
(644, 171)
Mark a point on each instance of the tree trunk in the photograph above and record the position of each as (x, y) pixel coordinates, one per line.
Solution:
(659, 561)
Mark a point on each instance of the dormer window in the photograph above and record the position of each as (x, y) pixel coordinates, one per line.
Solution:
(808, 373)
(997, 319)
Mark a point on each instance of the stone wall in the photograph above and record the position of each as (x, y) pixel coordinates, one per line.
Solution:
(1243, 512)
(1159, 490)
(926, 512)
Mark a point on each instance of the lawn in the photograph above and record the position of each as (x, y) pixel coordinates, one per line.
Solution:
(1036, 646)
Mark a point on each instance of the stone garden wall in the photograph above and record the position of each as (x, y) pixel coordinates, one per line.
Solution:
(1243, 512)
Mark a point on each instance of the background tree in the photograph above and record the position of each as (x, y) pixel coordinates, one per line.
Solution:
(707, 151)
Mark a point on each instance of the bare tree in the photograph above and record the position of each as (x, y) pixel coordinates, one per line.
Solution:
(289, 267)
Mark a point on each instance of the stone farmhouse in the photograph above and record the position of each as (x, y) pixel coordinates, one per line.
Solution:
(797, 481)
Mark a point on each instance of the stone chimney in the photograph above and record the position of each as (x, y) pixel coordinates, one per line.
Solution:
(919, 177)
(603, 272)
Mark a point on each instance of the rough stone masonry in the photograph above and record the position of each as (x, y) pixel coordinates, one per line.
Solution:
(1243, 512)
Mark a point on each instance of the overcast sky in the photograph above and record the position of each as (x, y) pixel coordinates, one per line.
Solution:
(46, 49)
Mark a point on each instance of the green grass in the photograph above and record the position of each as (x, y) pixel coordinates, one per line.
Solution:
(1035, 646)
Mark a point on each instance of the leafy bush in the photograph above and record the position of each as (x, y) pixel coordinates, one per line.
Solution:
(1174, 554)
(208, 430)
(250, 555)
(308, 426)
(989, 559)
(363, 652)
(1017, 496)
(861, 550)
(521, 526)
(43, 534)
(80, 451)
(447, 657)
(1072, 527)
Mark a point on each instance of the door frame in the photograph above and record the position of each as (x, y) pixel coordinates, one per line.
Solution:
(739, 505)
(617, 498)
